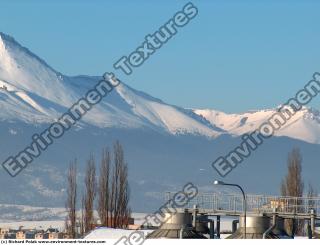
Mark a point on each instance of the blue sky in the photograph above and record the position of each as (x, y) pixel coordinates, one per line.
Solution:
(234, 56)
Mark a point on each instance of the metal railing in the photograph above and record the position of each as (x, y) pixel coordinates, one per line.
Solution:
(233, 203)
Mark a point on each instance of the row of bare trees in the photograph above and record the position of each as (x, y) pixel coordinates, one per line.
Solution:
(293, 186)
(113, 198)
(109, 194)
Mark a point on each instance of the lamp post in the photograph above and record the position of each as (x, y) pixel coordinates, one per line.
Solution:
(217, 182)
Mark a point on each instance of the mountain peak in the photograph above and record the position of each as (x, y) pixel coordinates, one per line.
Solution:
(304, 125)
(4, 38)
(29, 73)
(1, 41)
(11, 46)
(5, 60)
(31, 87)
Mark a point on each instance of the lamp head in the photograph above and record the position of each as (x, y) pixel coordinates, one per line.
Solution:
(218, 182)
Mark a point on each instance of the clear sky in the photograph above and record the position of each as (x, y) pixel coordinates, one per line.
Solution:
(234, 56)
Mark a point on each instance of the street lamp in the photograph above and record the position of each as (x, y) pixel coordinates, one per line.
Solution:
(218, 182)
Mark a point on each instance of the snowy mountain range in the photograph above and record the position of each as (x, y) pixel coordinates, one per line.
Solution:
(33, 92)
(304, 125)
(160, 139)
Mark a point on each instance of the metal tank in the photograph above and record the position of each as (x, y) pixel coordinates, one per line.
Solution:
(177, 226)
(260, 226)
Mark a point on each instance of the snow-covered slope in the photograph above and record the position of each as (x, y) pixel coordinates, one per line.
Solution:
(33, 92)
(29, 73)
(304, 125)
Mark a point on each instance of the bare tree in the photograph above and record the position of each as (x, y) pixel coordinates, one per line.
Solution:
(124, 211)
(118, 205)
(113, 193)
(104, 189)
(122, 193)
(292, 186)
(71, 199)
(114, 201)
(82, 220)
(90, 193)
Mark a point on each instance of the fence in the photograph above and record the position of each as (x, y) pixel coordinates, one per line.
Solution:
(233, 203)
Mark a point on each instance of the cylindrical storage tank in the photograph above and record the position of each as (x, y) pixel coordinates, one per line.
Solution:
(256, 226)
(176, 225)
(177, 221)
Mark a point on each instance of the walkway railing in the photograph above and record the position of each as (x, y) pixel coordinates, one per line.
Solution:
(233, 203)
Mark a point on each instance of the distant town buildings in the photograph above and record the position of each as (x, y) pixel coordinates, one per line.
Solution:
(51, 233)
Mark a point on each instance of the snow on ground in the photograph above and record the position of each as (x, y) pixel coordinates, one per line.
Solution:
(108, 233)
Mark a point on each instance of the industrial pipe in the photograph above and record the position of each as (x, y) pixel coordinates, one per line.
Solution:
(234, 225)
(267, 232)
